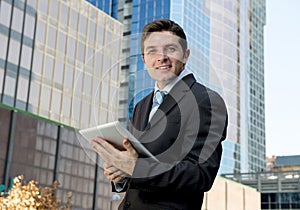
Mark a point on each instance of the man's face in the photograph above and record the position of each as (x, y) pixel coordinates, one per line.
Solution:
(164, 57)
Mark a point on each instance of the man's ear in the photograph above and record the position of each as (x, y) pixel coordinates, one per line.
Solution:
(186, 56)
(143, 57)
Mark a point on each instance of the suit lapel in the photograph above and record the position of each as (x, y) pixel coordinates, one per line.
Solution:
(145, 111)
(173, 98)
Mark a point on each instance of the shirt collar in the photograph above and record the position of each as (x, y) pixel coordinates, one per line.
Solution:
(169, 86)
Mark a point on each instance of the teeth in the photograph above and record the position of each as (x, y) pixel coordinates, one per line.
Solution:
(164, 67)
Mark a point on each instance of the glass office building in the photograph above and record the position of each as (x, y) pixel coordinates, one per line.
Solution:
(59, 71)
(226, 42)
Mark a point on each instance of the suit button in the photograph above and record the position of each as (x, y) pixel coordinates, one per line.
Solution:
(126, 204)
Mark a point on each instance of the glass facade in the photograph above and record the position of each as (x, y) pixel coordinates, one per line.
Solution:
(256, 134)
(278, 189)
(226, 43)
(60, 63)
(45, 151)
(276, 201)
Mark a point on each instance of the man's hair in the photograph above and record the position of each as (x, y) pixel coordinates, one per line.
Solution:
(164, 25)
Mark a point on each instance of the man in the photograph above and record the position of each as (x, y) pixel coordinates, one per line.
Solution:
(182, 123)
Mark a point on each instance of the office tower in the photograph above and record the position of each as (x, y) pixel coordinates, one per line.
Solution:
(59, 71)
(226, 42)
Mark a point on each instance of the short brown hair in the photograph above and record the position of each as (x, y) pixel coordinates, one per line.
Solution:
(164, 25)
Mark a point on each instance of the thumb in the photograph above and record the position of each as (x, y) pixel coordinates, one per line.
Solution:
(127, 145)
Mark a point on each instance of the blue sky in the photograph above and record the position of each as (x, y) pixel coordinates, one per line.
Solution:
(282, 77)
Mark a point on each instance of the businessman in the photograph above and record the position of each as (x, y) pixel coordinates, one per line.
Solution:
(182, 123)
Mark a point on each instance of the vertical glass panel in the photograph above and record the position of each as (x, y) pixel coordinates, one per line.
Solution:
(64, 13)
(45, 98)
(55, 104)
(81, 52)
(68, 79)
(87, 84)
(41, 31)
(58, 73)
(29, 26)
(82, 24)
(73, 19)
(92, 30)
(34, 93)
(76, 111)
(37, 62)
(66, 106)
(48, 68)
(78, 83)
(115, 73)
(26, 57)
(54, 9)
(98, 70)
(62, 41)
(14, 51)
(3, 48)
(90, 56)
(51, 40)
(17, 22)
(5, 13)
(100, 35)
(104, 92)
(9, 89)
(43, 6)
(85, 114)
(1, 79)
(71, 47)
(22, 89)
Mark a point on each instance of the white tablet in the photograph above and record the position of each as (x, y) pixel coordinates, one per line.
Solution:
(114, 132)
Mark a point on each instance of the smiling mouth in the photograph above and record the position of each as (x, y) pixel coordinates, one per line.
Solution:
(164, 67)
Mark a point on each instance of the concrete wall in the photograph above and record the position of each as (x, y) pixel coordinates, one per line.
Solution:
(229, 195)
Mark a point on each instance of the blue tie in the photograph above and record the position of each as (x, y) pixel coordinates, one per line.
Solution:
(159, 97)
(157, 100)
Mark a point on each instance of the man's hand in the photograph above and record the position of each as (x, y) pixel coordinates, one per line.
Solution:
(113, 174)
(120, 160)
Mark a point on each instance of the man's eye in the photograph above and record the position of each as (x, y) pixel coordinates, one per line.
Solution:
(151, 52)
(171, 49)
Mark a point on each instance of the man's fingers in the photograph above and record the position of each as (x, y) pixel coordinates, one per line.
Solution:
(129, 147)
(115, 176)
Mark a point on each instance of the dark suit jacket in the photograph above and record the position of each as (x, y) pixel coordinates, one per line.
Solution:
(185, 135)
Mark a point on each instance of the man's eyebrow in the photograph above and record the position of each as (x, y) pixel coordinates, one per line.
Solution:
(167, 45)
(172, 45)
(150, 47)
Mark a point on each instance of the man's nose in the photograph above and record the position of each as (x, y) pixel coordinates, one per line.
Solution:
(162, 55)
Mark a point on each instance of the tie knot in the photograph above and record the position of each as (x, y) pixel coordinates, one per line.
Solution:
(159, 96)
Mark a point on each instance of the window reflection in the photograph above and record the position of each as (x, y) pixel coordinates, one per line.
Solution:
(26, 57)
(34, 96)
(41, 31)
(14, 51)
(51, 37)
(22, 89)
(17, 20)
(3, 48)
(5, 13)
(29, 26)
(64, 12)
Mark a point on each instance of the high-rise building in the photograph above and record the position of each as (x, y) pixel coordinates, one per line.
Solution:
(227, 44)
(59, 71)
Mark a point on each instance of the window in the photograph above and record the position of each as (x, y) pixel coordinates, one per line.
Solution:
(17, 20)
(26, 57)
(14, 51)
(29, 26)
(5, 13)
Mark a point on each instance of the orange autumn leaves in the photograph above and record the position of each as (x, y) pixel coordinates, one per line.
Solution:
(30, 196)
